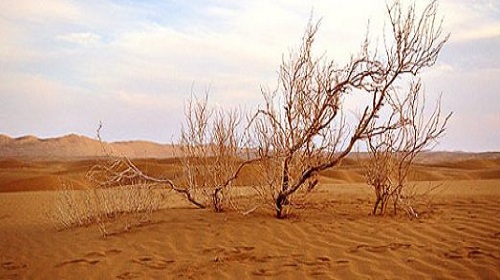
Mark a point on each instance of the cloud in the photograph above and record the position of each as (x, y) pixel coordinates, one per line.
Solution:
(137, 66)
(48, 11)
(83, 38)
(473, 98)
(34, 104)
(471, 20)
(478, 33)
(234, 49)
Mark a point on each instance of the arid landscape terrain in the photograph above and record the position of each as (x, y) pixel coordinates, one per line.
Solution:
(329, 234)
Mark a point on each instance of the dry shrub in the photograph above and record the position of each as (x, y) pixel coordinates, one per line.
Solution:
(418, 199)
(131, 205)
(213, 153)
(303, 123)
(392, 153)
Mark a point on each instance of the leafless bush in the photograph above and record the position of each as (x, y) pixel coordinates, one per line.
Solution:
(102, 206)
(302, 124)
(114, 190)
(392, 153)
(211, 154)
(213, 150)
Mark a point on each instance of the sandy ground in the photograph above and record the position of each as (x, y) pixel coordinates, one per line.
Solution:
(331, 236)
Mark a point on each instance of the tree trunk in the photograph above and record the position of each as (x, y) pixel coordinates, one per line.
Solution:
(376, 206)
(285, 182)
(280, 201)
(397, 198)
(217, 199)
(383, 206)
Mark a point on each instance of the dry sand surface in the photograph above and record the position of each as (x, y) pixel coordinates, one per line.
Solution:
(329, 236)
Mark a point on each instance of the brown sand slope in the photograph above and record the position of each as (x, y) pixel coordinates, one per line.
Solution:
(23, 175)
(18, 174)
(331, 237)
(74, 146)
(28, 175)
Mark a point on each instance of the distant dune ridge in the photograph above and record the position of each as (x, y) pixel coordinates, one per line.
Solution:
(75, 146)
(29, 163)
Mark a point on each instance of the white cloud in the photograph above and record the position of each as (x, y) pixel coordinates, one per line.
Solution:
(83, 38)
(242, 55)
(481, 32)
(145, 56)
(471, 20)
(34, 104)
(40, 11)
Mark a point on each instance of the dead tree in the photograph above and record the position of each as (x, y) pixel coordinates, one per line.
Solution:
(211, 156)
(392, 153)
(302, 124)
(212, 152)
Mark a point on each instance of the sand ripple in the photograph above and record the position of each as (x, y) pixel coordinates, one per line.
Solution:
(332, 237)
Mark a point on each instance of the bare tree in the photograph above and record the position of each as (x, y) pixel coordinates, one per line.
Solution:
(212, 152)
(211, 156)
(302, 124)
(392, 153)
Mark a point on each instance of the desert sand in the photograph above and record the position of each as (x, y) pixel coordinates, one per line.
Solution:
(329, 235)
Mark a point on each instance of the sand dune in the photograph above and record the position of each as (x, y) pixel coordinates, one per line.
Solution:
(328, 234)
(21, 174)
(74, 146)
(331, 236)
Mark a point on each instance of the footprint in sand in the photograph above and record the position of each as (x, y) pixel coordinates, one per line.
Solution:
(12, 270)
(342, 261)
(244, 248)
(95, 254)
(237, 253)
(90, 258)
(471, 252)
(129, 275)
(381, 248)
(264, 272)
(152, 262)
(323, 259)
(12, 265)
(78, 261)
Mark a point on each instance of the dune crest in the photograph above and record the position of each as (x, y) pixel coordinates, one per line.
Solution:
(76, 146)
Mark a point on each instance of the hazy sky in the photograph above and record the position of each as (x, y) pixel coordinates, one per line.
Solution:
(66, 65)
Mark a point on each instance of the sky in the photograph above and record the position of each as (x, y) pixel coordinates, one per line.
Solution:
(67, 65)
